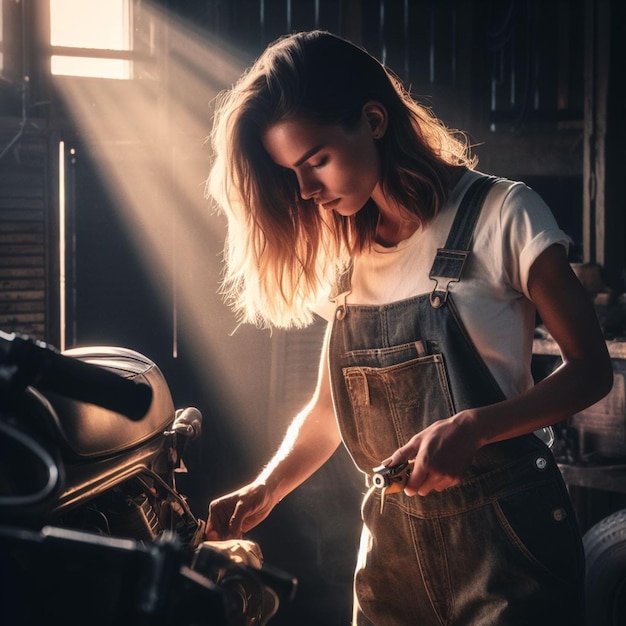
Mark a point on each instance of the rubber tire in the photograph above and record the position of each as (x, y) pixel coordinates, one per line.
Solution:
(605, 586)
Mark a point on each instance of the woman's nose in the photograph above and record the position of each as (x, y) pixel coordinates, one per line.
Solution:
(309, 186)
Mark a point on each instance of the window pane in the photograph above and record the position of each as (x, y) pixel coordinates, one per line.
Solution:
(104, 24)
(90, 67)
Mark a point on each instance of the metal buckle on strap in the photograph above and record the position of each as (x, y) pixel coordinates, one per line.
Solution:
(343, 287)
(439, 295)
(340, 301)
(447, 268)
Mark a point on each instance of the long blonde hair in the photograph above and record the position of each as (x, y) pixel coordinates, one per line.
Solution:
(282, 252)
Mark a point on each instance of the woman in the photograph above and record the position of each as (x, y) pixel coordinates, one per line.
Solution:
(334, 180)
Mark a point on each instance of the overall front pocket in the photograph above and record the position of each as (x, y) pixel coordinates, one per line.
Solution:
(390, 404)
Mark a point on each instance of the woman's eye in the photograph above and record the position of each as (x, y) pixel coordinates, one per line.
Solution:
(320, 163)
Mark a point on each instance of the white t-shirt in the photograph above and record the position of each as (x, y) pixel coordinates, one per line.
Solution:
(514, 227)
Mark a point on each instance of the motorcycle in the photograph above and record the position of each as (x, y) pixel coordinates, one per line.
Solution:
(92, 526)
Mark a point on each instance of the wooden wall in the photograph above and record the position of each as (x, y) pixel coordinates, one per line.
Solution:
(28, 235)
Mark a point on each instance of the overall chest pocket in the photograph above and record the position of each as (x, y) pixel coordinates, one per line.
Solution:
(395, 392)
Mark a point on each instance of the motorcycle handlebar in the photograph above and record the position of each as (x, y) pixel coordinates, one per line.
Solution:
(36, 363)
(188, 422)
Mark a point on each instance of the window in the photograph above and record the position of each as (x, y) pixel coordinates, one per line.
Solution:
(91, 39)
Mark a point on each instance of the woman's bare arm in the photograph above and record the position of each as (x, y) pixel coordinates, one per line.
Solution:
(310, 441)
(443, 450)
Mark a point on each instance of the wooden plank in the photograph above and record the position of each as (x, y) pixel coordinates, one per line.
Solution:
(20, 238)
(22, 272)
(19, 250)
(22, 261)
(22, 319)
(33, 214)
(28, 306)
(21, 208)
(606, 477)
(22, 285)
(18, 227)
(13, 296)
(32, 329)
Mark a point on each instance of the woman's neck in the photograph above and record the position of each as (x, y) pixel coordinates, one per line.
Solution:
(390, 231)
(396, 224)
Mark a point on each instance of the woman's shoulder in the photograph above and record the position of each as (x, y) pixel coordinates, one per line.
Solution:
(500, 189)
(501, 184)
(507, 199)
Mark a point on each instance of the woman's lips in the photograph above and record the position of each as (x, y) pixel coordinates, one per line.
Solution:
(331, 204)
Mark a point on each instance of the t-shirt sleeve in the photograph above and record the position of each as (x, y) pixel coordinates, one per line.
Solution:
(528, 228)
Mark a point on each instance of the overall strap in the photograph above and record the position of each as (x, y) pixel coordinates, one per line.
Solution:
(449, 261)
(342, 289)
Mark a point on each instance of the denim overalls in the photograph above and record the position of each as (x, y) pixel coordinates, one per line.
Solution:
(500, 549)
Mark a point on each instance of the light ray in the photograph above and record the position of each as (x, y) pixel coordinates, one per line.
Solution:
(148, 136)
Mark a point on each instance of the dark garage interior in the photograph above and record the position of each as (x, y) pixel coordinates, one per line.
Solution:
(107, 239)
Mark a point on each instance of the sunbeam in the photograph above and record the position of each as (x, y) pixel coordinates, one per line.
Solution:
(148, 137)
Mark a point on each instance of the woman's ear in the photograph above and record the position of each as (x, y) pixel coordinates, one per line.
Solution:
(375, 114)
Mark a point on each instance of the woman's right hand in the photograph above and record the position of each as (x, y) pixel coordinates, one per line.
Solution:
(232, 515)
(311, 439)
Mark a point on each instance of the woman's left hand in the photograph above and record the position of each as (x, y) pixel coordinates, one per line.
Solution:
(444, 449)
(441, 453)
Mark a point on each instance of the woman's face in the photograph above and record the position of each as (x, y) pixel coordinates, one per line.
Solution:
(338, 169)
